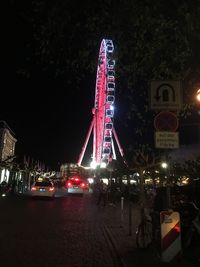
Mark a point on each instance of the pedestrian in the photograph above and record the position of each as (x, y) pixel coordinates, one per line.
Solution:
(112, 193)
(13, 187)
(102, 193)
(159, 201)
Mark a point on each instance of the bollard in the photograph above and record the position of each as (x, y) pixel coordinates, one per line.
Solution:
(122, 203)
(122, 211)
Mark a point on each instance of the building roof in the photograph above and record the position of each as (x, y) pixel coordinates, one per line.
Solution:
(4, 125)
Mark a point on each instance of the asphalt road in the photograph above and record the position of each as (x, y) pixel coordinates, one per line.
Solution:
(64, 232)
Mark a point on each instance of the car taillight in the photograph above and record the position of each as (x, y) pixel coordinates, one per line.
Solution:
(51, 189)
(82, 185)
(69, 184)
(33, 188)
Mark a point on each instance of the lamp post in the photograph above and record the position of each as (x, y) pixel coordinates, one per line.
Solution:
(198, 95)
(165, 166)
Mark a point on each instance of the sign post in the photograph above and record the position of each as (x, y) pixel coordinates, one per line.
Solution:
(166, 124)
(166, 96)
(166, 121)
(166, 137)
(167, 140)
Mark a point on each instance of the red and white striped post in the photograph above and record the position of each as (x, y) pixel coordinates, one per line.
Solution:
(170, 236)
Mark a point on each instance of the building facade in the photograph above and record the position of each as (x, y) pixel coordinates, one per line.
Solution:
(7, 151)
(7, 141)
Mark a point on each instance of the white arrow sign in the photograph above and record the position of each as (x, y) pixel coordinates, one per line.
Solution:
(166, 95)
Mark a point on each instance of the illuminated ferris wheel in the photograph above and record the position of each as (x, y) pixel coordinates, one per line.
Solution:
(103, 110)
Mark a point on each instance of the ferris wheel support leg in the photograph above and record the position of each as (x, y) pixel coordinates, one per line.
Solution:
(119, 146)
(85, 144)
(113, 149)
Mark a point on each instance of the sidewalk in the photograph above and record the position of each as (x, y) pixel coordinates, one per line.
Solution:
(121, 232)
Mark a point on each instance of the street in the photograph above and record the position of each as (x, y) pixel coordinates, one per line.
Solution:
(71, 231)
(66, 231)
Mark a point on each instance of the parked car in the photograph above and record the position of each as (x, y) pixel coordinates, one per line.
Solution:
(76, 185)
(43, 189)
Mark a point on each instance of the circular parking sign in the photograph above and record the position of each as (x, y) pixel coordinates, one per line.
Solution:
(166, 121)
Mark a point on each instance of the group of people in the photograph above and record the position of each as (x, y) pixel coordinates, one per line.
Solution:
(106, 192)
(7, 188)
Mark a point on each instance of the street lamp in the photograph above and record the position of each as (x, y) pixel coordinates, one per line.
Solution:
(198, 95)
(93, 165)
(164, 165)
(103, 165)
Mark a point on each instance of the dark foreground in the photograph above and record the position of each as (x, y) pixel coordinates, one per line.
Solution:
(70, 231)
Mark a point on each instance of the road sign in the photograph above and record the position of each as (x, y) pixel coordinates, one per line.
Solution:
(166, 121)
(166, 95)
(167, 140)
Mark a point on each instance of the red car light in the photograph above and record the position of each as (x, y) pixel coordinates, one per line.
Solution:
(51, 189)
(33, 188)
(76, 179)
(82, 185)
(69, 184)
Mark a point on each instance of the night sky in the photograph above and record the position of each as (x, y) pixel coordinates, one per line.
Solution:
(50, 119)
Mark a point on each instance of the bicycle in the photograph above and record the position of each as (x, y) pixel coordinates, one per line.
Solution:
(191, 236)
(148, 231)
(144, 231)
